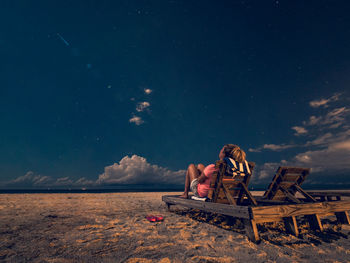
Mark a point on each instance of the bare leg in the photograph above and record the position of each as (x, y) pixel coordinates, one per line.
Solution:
(200, 168)
(192, 173)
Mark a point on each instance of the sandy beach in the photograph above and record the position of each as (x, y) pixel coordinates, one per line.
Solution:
(111, 227)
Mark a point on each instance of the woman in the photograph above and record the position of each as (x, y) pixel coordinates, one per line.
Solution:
(198, 177)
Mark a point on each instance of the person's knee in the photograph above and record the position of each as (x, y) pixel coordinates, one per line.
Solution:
(191, 166)
(200, 166)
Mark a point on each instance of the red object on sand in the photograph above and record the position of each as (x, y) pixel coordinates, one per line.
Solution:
(152, 218)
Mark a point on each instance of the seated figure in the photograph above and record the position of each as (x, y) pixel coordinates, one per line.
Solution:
(198, 177)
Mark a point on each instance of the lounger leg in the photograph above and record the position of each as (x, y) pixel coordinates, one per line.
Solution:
(168, 206)
(251, 230)
(343, 217)
(315, 222)
(291, 225)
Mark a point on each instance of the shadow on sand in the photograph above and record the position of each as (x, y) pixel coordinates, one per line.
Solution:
(273, 233)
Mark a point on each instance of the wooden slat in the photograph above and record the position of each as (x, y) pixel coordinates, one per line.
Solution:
(295, 169)
(231, 181)
(249, 195)
(290, 196)
(285, 177)
(277, 211)
(286, 185)
(291, 226)
(230, 210)
(307, 196)
(291, 177)
(228, 195)
(251, 230)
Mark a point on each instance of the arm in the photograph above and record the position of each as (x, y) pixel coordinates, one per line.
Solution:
(202, 178)
(206, 173)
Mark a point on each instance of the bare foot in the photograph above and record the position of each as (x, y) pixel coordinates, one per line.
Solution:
(184, 195)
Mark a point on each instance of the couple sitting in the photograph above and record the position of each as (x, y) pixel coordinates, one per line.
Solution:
(198, 177)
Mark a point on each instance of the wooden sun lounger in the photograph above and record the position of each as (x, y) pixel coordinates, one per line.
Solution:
(278, 204)
(286, 183)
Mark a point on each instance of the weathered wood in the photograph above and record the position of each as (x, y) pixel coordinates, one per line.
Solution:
(251, 230)
(222, 167)
(230, 210)
(222, 184)
(286, 178)
(343, 217)
(228, 195)
(289, 195)
(291, 177)
(307, 196)
(277, 211)
(291, 226)
(249, 195)
(315, 222)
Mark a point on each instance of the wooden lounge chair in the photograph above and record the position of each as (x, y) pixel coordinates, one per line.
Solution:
(282, 190)
(227, 196)
(228, 189)
(279, 203)
(285, 184)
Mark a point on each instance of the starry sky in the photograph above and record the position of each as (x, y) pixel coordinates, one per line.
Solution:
(100, 92)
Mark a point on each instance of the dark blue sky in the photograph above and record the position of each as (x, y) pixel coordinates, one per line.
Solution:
(73, 74)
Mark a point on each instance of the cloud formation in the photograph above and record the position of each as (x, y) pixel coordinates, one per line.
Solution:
(137, 120)
(273, 147)
(324, 146)
(299, 130)
(136, 170)
(32, 180)
(141, 106)
(147, 91)
(324, 102)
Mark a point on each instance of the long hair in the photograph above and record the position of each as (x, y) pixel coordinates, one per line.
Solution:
(233, 151)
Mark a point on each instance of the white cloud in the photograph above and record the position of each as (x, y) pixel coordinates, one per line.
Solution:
(333, 158)
(266, 171)
(326, 147)
(147, 91)
(136, 170)
(299, 130)
(312, 121)
(272, 147)
(32, 180)
(84, 182)
(141, 106)
(275, 147)
(344, 145)
(137, 120)
(321, 140)
(324, 102)
(318, 103)
(254, 150)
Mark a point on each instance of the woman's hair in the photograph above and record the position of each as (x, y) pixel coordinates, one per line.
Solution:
(234, 152)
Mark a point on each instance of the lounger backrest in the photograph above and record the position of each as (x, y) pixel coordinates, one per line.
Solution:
(232, 182)
(285, 177)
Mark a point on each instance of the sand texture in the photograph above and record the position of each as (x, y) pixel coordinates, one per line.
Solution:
(112, 227)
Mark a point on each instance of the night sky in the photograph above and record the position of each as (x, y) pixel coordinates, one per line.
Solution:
(96, 93)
